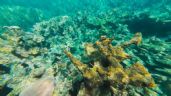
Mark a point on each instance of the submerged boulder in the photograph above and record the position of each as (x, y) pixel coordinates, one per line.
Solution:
(43, 87)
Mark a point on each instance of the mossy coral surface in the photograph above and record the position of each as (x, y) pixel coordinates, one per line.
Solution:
(107, 71)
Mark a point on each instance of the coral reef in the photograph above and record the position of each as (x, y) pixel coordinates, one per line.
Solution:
(107, 72)
(26, 58)
(118, 64)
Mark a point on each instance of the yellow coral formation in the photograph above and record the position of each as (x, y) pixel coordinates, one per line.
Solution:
(89, 49)
(135, 40)
(34, 51)
(107, 69)
(88, 73)
(138, 75)
(6, 49)
(82, 67)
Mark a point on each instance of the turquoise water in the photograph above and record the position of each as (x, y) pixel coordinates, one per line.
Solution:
(85, 48)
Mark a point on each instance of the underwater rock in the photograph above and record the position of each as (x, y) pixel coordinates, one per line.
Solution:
(38, 72)
(21, 53)
(43, 87)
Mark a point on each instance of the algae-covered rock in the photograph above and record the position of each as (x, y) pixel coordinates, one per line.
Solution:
(38, 72)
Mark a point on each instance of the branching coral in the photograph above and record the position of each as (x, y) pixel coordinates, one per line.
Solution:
(135, 40)
(107, 70)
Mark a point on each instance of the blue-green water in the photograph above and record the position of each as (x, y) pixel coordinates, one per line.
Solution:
(35, 34)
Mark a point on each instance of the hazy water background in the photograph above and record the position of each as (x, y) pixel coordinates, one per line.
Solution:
(26, 12)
